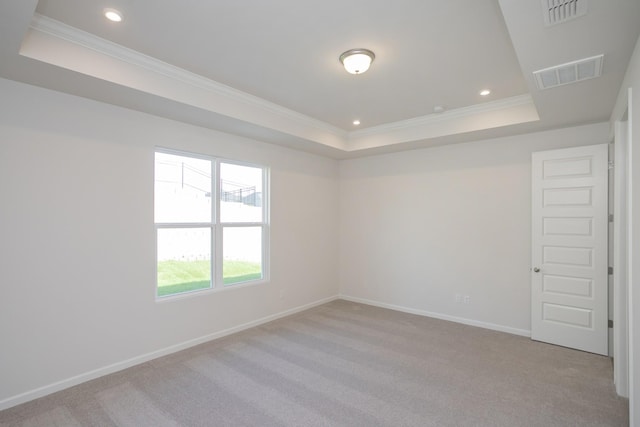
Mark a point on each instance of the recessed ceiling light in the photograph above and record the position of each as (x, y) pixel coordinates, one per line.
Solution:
(113, 15)
(485, 92)
(438, 109)
(356, 122)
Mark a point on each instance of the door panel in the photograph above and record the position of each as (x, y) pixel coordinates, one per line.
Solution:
(567, 226)
(567, 286)
(567, 256)
(572, 316)
(568, 197)
(567, 167)
(569, 248)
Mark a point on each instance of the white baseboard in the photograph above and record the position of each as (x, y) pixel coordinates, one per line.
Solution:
(119, 366)
(471, 322)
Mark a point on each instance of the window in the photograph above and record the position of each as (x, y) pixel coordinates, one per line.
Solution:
(211, 222)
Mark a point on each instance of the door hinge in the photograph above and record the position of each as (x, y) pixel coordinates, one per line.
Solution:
(611, 164)
(610, 270)
(610, 217)
(610, 323)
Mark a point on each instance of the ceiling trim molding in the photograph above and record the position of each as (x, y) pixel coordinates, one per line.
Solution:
(507, 112)
(83, 52)
(79, 37)
(456, 114)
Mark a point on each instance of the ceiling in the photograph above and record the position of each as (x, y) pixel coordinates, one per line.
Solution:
(270, 70)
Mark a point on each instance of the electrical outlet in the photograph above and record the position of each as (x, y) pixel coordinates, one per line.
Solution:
(466, 299)
(458, 298)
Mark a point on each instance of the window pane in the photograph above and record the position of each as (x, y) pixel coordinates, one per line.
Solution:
(182, 189)
(241, 254)
(184, 260)
(240, 193)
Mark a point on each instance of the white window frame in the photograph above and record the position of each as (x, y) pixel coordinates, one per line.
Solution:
(217, 227)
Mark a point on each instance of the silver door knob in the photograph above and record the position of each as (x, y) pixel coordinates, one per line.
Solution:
(536, 270)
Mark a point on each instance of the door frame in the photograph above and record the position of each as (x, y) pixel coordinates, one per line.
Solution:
(620, 247)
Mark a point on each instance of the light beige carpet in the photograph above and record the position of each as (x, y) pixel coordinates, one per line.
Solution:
(347, 364)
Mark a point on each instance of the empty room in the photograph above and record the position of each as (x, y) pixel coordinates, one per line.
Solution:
(320, 213)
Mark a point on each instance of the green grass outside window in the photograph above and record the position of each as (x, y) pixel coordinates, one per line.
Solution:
(182, 276)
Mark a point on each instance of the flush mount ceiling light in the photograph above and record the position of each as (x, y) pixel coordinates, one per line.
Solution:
(485, 92)
(113, 15)
(357, 61)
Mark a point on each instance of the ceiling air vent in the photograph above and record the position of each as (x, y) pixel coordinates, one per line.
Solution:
(571, 72)
(559, 11)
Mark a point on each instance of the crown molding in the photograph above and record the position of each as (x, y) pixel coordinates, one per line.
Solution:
(82, 38)
(490, 115)
(449, 115)
(56, 43)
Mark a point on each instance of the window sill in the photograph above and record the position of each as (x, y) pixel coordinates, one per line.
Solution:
(199, 292)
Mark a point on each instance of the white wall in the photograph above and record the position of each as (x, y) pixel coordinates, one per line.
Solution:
(77, 240)
(408, 230)
(419, 227)
(632, 81)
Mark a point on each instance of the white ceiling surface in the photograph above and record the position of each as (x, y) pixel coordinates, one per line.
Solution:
(270, 70)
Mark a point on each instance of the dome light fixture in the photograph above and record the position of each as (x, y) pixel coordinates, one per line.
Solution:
(357, 61)
(113, 15)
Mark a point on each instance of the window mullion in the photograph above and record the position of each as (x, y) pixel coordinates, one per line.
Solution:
(217, 241)
(183, 225)
(214, 195)
(242, 224)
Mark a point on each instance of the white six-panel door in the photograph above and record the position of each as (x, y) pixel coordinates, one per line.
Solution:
(569, 252)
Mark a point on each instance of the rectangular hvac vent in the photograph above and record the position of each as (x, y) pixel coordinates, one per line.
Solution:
(559, 11)
(571, 72)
